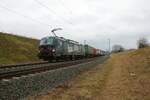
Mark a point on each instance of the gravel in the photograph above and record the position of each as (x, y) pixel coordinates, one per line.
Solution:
(20, 87)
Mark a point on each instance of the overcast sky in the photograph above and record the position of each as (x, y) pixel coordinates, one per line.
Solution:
(123, 21)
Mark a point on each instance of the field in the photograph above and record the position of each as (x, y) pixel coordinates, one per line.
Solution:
(17, 49)
(125, 76)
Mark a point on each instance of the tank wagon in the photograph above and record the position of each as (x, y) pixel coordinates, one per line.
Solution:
(59, 48)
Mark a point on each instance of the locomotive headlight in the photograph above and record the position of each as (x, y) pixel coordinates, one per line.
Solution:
(53, 50)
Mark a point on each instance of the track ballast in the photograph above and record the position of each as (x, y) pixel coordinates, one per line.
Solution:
(8, 72)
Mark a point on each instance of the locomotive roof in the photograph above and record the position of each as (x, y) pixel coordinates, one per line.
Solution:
(63, 39)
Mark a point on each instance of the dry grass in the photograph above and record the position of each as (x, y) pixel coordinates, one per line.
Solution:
(16, 49)
(88, 85)
(125, 76)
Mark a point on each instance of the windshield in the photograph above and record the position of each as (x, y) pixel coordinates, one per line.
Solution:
(46, 41)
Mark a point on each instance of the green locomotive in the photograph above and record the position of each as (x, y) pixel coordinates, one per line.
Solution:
(59, 48)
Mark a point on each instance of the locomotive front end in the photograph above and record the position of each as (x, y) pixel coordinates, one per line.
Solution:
(47, 48)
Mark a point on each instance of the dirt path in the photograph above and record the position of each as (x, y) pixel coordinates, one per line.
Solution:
(128, 79)
(117, 84)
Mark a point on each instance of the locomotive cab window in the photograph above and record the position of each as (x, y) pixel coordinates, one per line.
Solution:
(46, 41)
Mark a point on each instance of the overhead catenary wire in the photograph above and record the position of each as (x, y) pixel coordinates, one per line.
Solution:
(52, 11)
(30, 18)
(67, 10)
(65, 7)
(25, 16)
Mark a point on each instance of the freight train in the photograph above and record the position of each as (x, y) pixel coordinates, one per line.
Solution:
(58, 48)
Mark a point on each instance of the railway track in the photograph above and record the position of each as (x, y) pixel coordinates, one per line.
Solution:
(23, 64)
(8, 72)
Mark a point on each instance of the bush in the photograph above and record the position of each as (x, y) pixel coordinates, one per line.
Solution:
(142, 43)
(117, 48)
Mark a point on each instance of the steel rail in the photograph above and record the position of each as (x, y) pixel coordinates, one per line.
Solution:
(22, 64)
(42, 68)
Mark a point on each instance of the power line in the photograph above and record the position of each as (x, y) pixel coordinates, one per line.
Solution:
(28, 17)
(20, 14)
(66, 8)
(62, 3)
(51, 10)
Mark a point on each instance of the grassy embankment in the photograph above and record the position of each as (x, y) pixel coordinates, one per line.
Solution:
(17, 49)
(125, 76)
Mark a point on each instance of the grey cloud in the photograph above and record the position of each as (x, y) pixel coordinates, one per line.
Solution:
(123, 21)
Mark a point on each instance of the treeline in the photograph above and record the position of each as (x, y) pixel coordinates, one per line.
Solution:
(141, 43)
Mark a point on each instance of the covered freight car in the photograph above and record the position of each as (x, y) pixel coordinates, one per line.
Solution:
(98, 52)
(89, 51)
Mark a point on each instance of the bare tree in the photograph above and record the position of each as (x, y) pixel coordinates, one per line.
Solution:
(117, 48)
(142, 43)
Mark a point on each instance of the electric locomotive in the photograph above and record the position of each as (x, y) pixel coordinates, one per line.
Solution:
(58, 48)
(55, 48)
